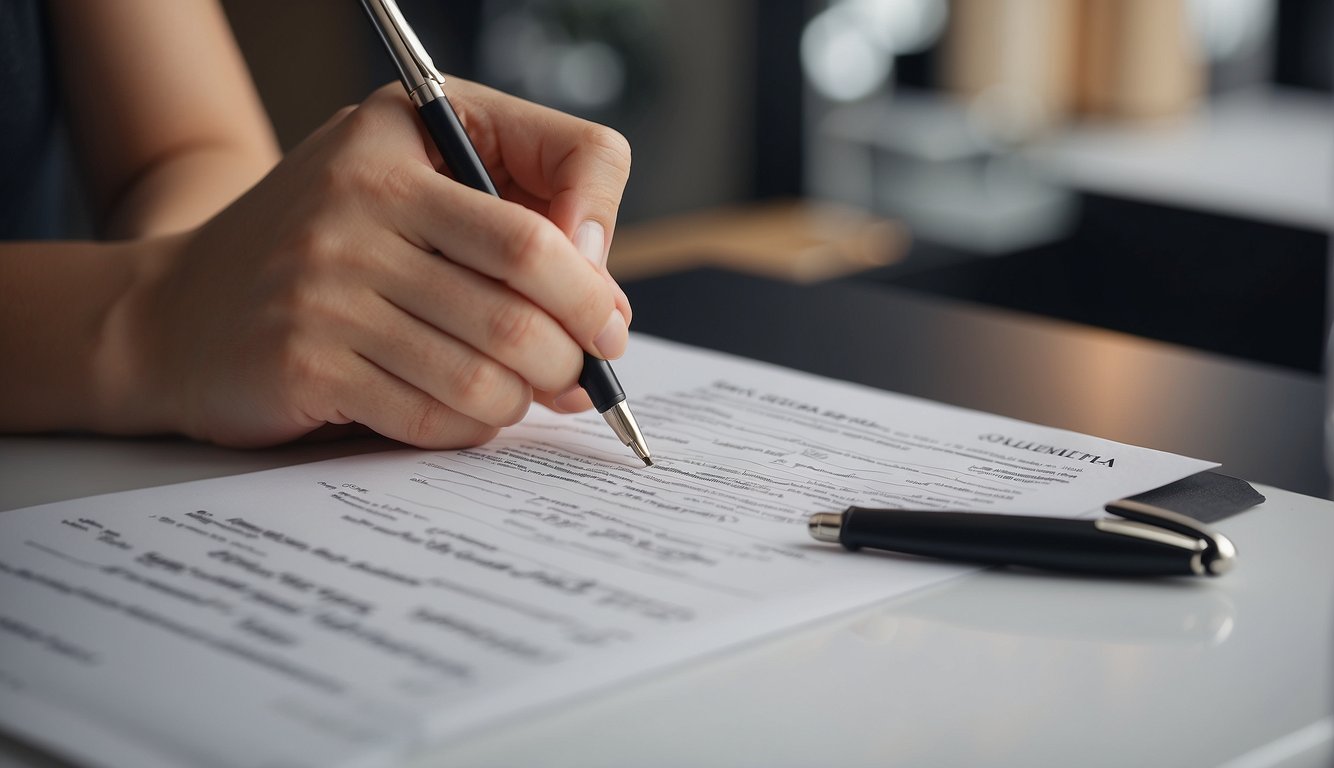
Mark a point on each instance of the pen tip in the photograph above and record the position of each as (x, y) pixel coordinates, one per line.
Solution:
(648, 462)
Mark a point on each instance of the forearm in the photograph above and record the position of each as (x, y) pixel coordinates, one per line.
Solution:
(161, 110)
(71, 359)
(186, 187)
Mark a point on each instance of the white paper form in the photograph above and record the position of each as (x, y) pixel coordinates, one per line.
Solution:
(350, 611)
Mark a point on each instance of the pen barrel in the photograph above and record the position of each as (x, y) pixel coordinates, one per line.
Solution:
(465, 166)
(601, 384)
(456, 148)
(1019, 540)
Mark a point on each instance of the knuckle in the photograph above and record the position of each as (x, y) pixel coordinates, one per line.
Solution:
(310, 240)
(488, 391)
(362, 120)
(611, 144)
(362, 178)
(528, 243)
(299, 302)
(510, 325)
(396, 184)
(357, 178)
(308, 249)
(334, 181)
(439, 427)
(391, 93)
(562, 363)
(475, 383)
(335, 121)
(299, 367)
(430, 425)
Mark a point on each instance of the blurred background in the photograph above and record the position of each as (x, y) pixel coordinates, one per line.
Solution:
(1161, 167)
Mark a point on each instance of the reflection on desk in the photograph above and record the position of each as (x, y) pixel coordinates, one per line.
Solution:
(1007, 669)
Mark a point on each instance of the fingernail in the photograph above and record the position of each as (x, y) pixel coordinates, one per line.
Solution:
(611, 341)
(591, 240)
(572, 401)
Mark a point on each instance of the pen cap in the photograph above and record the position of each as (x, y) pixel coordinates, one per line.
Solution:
(1218, 555)
(420, 77)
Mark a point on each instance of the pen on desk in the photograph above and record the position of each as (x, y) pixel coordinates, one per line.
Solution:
(1151, 541)
(424, 85)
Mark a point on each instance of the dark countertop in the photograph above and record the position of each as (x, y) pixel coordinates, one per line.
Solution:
(1262, 422)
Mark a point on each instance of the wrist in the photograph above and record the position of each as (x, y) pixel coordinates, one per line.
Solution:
(131, 389)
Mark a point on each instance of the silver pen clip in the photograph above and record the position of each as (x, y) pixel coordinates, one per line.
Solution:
(420, 77)
(1214, 552)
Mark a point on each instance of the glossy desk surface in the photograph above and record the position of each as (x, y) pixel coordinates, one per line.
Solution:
(1261, 422)
(993, 668)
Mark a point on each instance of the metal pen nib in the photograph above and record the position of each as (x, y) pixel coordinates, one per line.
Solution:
(623, 424)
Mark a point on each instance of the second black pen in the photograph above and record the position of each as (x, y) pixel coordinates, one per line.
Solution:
(1105, 546)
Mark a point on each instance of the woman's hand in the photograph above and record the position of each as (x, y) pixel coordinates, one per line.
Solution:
(355, 283)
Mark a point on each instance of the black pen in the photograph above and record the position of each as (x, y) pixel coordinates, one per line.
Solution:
(424, 85)
(1151, 541)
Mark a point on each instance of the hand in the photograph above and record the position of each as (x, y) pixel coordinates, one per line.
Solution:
(355, 283)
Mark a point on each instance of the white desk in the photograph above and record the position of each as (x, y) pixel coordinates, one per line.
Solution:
(996, 668)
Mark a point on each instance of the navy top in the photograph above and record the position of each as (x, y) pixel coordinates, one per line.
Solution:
(34, 202)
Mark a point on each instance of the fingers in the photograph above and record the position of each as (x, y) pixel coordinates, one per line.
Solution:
(570, 170)
(369, 395)
(451, 310)
(526, 252)
(503, 240)
(572, 400)
(441, 366)
(578, 167)
(438, 306)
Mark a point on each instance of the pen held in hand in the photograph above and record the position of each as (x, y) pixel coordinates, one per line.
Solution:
(1152, 542)
(424, 86)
